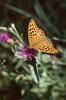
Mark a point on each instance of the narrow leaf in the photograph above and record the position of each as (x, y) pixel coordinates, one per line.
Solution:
(34, 72)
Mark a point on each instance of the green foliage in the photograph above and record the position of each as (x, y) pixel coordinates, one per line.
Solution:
(16, 82)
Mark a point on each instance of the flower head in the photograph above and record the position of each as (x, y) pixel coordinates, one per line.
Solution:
(4, 37)
(25, 53)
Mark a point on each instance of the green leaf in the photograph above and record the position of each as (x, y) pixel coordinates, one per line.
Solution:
(58, 39)
(20, 11)
(3, 28)
(23, 65)
(34, 72)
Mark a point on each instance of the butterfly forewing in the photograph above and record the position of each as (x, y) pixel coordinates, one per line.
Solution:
(38, 40)
(35, 34)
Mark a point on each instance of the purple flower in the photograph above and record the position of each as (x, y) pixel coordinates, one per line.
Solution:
(4, 37)
(25, 53)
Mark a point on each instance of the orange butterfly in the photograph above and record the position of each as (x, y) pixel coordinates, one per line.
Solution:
(38, 40)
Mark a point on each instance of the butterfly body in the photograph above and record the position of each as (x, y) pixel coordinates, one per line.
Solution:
(38, 40)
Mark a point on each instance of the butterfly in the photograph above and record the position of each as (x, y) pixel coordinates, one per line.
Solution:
(38, 39)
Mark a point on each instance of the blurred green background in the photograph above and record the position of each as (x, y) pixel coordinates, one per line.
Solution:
(16, 82)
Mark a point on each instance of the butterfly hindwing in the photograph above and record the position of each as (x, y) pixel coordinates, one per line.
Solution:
(45, 47)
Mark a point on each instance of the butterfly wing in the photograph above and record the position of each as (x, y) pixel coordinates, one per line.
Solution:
(35, 34)
(38, 40)
(45, 46)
